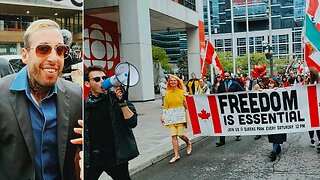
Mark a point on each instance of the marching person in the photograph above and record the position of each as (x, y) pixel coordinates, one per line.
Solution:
(275, 139)
(109, 120)
(192, 84)
(314, 79)
(202, 88)
(228, 86)
(38, 110)
(216, 83)
(175, 98)
(263, 84)
(163, 88)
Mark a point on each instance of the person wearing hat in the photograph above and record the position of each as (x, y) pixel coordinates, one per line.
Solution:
(275, 139)
(216, 83)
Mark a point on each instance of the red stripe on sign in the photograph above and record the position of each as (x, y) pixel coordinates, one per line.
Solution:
(215, 114)
(313, 106)
(193, 115)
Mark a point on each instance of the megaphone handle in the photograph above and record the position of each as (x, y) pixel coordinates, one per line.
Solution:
(128, 81)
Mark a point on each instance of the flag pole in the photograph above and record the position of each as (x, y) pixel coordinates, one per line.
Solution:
(209, 35)
(204, 60)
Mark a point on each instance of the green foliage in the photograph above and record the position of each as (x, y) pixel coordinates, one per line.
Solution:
(255, 59)
(182, 64)
(160, 56)
(279, 64)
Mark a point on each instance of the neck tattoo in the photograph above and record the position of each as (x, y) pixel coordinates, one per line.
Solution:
(38, 91)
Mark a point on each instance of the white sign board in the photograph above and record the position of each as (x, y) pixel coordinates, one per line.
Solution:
(174, 116)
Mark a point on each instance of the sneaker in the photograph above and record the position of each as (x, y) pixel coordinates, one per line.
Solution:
(313, 143)
(273, 156)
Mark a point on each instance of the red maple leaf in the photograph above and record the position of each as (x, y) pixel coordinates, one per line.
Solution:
(204, 114)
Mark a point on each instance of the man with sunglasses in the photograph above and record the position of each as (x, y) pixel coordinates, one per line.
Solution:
(109, 119)
(39, 111)
(228, 85)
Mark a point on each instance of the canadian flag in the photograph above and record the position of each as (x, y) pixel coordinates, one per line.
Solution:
(312, 58)
(314, 11)
(204, 115)
(212, 58)
(300, 68)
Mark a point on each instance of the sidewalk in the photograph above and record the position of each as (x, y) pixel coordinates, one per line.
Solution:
(154, 140)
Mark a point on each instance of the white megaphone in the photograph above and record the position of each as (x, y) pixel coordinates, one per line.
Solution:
(125, 74)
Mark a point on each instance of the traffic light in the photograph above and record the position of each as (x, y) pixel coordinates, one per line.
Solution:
(268, 52)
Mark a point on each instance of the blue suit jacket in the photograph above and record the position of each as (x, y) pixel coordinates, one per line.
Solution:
(16, 141)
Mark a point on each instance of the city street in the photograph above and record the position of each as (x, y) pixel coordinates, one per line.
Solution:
(246, 159)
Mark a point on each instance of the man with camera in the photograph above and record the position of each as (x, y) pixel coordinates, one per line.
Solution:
(109, 119)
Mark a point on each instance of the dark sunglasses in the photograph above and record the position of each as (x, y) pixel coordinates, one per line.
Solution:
(43, 50)
(97, 79)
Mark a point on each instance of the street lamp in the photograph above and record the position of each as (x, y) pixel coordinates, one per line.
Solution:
(268, 53)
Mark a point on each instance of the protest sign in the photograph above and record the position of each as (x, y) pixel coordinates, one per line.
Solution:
(285, 110)
(174, 116)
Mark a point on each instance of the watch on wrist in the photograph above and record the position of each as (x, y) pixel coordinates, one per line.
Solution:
(122, 104)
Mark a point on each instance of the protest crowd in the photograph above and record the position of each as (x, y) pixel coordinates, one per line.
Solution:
(228, 82)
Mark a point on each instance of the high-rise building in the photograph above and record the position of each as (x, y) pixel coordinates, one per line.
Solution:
(286, 26)
(173, 42)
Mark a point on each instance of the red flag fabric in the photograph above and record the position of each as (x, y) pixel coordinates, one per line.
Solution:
(311, 58)
(212, 58)
(313, 6)
(300, 68)
(210, 52)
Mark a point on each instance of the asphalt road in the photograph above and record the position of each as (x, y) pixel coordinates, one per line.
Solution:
(246, 159)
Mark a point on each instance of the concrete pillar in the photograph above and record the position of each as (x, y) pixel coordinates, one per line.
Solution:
(193, 51)
(136, 45)
(195, 41)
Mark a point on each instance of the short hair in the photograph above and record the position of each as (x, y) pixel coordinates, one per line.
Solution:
(227, 71)
(89, 69)
(36, 25)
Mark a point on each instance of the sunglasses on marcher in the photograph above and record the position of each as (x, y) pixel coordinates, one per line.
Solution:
(98, 79)
(43, 50)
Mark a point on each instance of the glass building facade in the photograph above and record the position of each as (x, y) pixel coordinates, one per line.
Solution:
(286, 15)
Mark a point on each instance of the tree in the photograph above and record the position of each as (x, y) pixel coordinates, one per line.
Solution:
(182, 64)
(160, 56)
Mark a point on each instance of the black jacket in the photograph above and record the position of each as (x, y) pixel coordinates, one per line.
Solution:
(234, 87)
(125, 143)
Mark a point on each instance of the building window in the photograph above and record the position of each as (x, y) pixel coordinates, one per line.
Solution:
(227, 42)
(219, 43)
(241, 42)
(242, 51)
